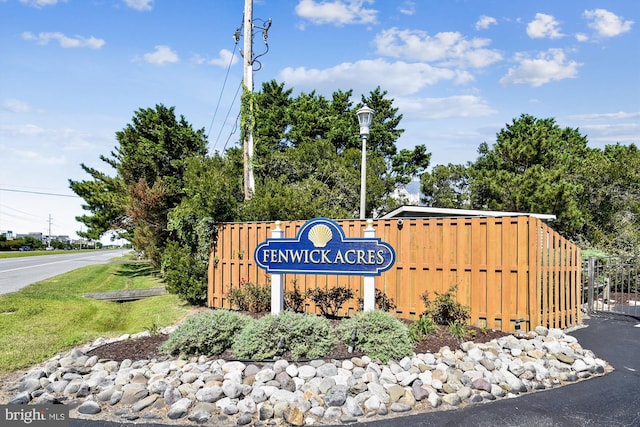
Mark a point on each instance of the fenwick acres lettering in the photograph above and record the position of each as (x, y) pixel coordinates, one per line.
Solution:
(321, 247)
(323, 256)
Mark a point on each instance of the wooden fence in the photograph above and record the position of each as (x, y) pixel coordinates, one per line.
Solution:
(508, 270)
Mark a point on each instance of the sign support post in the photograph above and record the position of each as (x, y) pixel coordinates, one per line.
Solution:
(369, 281)
(277, 284)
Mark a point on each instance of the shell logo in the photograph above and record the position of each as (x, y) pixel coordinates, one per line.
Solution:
(320, 235)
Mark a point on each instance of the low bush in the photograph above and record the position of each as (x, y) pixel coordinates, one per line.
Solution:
(301, 335)
(294, 299)
(238, 299)
(460, 331)
(382, 301)
(378, 334)
(250, 296)
(330, 301)
(207, 333)
(445, 309)
(422, 327)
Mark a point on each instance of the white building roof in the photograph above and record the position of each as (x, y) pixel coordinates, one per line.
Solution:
(430, 212)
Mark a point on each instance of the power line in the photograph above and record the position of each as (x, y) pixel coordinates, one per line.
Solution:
(236, 37)
(235, 128)
(40, 192)
(4, 206)
(227, 118)
(224, 83)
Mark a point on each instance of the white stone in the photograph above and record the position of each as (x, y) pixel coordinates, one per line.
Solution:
(372, 403)
(233, 366)
(292, 370)
(247, 406)
(347, 364)
(265, 375)
(306, 372)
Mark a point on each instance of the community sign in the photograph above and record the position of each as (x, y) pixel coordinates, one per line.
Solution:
(321, 247)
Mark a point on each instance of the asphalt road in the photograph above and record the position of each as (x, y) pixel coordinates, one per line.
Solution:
(612, 400)
(16, 273)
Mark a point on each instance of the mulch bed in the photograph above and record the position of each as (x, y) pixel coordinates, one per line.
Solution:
(147, 348)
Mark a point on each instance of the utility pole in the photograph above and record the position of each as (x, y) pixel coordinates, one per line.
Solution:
(49, 238)
(249, 183)
(248, 63)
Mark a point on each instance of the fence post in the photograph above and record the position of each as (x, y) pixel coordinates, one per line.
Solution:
(591, 274)
(277, 282)
(369, 281)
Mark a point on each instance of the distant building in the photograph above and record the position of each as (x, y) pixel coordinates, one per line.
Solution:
(62, 239)
(37, 236)
(430, 212)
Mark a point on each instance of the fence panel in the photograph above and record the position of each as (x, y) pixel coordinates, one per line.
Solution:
(509, 270)
(559, 274)
(612, 285)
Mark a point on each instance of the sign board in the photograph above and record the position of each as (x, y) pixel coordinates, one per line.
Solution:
(321, 247)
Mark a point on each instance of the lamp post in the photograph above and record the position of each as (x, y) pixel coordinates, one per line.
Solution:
(365, 116)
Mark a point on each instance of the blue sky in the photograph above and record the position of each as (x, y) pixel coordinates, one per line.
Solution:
(73, 72)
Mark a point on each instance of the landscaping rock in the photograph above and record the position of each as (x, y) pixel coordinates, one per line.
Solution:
(232, 392)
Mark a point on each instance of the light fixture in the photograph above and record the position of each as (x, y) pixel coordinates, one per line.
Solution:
(365, 117)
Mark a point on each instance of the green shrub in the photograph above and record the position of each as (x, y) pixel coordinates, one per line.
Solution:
(207, 333)
(379, 335)
(300, 335)
(250, 296)
(238, 299)
(259, 297)
(183, 275)
(422, 327)
(382, 301)
(445, 309)
(330, 301)
(459, 330)
(294, 299)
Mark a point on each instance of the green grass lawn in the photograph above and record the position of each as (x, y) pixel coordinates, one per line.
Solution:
(51, 316)
(21, 254)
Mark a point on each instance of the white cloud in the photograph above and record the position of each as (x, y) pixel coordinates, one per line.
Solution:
(162, 55)
(605, 23)
(41, 3)
(620, 115)
(337, 12)
(36, 157)
(544, 26)
(44, 140)
(64, 41)
(407, 8)
(461, 106)
(446, 47)
(400, 78)
(17, 106)
(611, 133)
(143, 5)
(546, 67)
(582, 37)
(224, 59)
(485, 22)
